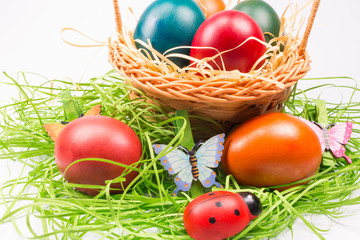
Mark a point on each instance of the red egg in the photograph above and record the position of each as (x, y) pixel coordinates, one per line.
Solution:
(97, 137)
(220, 214)
(227, 31)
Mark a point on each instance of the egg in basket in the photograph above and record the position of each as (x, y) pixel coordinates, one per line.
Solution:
(225, 67)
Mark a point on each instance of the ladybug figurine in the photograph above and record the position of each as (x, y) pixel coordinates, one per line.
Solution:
(220, 214)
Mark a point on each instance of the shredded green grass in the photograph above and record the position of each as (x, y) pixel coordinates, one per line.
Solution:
(52, 209)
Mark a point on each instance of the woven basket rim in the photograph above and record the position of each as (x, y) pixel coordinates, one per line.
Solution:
(226, 97)
(145, 74)
(248, 87)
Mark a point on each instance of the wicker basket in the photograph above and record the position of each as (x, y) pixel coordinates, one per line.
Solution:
(226, 100)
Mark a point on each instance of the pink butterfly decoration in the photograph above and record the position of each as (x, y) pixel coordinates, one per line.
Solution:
(333, 137)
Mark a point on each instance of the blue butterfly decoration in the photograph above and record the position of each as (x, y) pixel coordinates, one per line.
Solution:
(194, 164)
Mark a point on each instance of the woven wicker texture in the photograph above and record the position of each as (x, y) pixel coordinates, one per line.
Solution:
(227, 97)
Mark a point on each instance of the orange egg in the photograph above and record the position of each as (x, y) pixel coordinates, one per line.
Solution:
(270, 150)
(210, 7)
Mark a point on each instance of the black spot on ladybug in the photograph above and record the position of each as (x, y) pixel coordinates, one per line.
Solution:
(209, 199)
(212, 220)
(218, 204)
(237, 212)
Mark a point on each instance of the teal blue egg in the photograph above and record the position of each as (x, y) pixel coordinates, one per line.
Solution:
(169, 24)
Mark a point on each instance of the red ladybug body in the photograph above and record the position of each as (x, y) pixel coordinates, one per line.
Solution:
(220, 214)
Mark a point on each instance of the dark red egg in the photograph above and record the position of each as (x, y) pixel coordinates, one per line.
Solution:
(220, 214)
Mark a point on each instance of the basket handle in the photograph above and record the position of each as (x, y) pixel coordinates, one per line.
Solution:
(118, 21)
(309, 25)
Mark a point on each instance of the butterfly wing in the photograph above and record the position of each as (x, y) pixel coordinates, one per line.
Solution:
(94, 111)
(183, 180)
(54, 129)
(318, 132)
(341, 132)
(209, 156)
(207, 177)
(338, 135)
(338, 150)
(174, 162)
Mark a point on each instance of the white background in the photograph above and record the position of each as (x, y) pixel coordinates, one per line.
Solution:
(30, 40)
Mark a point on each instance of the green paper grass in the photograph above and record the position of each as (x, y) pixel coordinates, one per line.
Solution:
(52, 209)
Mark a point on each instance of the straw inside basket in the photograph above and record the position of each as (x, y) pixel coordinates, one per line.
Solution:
(227, 100)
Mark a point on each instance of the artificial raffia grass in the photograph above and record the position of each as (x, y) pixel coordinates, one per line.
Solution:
(41, 198)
